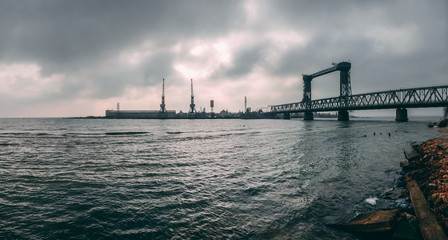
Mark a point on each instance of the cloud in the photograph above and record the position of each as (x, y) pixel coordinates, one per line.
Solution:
(63, 52)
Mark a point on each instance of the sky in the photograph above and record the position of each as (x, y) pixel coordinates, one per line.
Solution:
(79, 58)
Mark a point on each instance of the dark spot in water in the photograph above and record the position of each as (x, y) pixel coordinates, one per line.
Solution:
(125, 133)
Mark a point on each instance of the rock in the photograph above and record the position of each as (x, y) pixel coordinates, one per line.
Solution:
(408, 229)
(403, 203)
(411, 154)
(404, 164)
(404, 194)
(409, 165)
(443, 123)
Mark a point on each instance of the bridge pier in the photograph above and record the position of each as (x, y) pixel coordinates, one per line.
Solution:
(343, 115)
(308, 116)
(286, 116)
(401, 115)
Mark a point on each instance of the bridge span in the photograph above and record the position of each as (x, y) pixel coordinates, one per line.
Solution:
(400, 99)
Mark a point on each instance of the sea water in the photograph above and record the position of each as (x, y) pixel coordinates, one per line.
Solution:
(195, 179)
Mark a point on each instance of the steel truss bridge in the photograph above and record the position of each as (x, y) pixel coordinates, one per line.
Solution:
(401, 99)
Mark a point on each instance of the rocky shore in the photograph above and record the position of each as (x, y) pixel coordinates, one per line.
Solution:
(431, 174)
(425, 174)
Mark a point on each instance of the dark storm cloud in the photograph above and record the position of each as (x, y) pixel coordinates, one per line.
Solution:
(78, 39)
(113, 81)
(87, 46)
(391, 44)
(68, 35)
(245, 60)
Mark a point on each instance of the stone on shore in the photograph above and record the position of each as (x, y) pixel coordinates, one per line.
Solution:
(410, 153)
(432, 176)
(407, 229)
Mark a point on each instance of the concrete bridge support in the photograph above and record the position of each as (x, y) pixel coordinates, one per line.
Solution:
(343, 115)
(286, 116)
(308, 116)
(401, 115)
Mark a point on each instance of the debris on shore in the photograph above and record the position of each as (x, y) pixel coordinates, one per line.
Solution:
(429, 226)
(431, 174)
(375, 222)
(384, 224)
(426, 176)
(442, 124)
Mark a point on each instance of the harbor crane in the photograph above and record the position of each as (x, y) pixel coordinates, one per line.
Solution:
(192, 105)
(162, 106)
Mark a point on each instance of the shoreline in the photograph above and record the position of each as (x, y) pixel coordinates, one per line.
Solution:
(430, 171)
(424, 184)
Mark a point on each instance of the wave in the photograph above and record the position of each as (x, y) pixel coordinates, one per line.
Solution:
(9, 144)
(70, 134)
(174, 132)
(125, 133)
(27, 134)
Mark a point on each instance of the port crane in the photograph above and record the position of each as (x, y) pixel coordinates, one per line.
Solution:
(162, 106)
(192, 105)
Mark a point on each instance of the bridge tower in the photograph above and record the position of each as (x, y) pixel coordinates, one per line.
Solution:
(345, 89)
(162, 106)
(192, 105)
(308, 115)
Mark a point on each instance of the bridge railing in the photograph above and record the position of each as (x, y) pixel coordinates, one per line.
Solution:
(436, 96)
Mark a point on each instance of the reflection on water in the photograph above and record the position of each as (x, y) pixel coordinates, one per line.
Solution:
(177, 179)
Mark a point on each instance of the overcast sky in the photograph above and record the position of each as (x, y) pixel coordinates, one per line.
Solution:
(79, 58)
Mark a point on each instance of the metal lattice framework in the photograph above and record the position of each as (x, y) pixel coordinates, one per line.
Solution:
(345, 85)
(436, 96)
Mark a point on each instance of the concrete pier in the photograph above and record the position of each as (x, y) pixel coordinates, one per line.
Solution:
(286, 116)
(401, 115)
(308, 116)
(343, 115)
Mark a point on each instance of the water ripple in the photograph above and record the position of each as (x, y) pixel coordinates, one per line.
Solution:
(202, 179)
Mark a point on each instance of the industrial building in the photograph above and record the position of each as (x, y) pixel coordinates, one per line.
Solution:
(140, 114)
(143, 114)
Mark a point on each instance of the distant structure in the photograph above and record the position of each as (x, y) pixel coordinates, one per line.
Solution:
(245, 104)
(140, 114)
(212, 105)
(163, 113)
(117, 114)
(192, 105)
(162, 106)
(400, 99)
